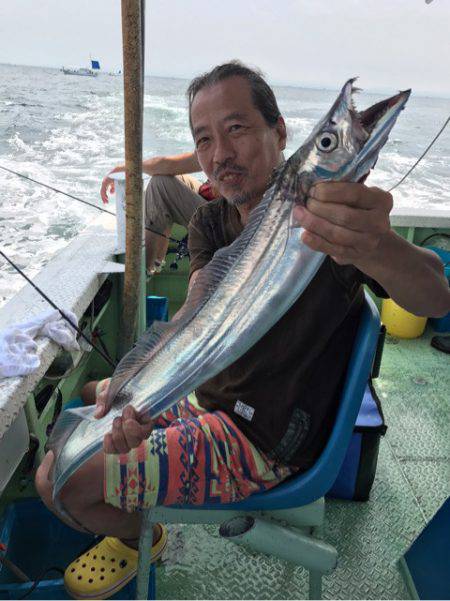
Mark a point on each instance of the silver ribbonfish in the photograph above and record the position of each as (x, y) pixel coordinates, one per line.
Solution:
(242, 292)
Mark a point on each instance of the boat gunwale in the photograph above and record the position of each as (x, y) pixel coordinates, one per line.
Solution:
(74, 290)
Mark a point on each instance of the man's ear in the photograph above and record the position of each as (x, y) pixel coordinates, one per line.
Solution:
(282, 133)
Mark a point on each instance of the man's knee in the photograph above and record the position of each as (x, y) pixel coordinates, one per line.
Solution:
(88, 392)
(158, 182)
(42, 482)
(159, 186)
(85, 487)
(157, 198)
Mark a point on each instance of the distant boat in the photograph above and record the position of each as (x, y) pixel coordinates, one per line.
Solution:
(91, 71)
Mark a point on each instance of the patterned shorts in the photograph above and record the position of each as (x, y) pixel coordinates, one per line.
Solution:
(192, 457)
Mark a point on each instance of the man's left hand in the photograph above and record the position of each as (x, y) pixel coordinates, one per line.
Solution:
(345, 220)
(128, 431)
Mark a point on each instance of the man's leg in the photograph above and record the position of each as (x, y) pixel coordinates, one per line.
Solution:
(112, 562)
(162, 470)
(168, 200)
(82, 497)
(89, 392)
(156, 248)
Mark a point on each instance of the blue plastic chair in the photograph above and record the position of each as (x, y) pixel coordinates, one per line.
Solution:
(245, 522)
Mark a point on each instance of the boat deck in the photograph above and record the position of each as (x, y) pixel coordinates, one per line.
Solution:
(410, 485)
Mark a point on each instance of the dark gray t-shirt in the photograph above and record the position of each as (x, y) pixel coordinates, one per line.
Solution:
(291, 377)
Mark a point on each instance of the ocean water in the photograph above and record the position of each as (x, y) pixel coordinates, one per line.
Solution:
(67, 131)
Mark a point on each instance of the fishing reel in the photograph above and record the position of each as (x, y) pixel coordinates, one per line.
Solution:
(180, 251)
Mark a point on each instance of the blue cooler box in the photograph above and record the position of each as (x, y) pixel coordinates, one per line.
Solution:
(357, 473)
(157, 309)
(441, 324)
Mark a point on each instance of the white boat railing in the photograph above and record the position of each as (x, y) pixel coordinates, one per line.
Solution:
(420, 218)
(71, 279)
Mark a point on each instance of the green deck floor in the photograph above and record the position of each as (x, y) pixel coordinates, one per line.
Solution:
(411, 484)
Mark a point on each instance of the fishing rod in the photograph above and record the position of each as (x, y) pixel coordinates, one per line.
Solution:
(422, 155)
(84, 201)
(180, 241)
(55, 306)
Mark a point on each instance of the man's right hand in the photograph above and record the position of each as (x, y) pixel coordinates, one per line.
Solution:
(108, 184)
(101, 394)
(164, 165)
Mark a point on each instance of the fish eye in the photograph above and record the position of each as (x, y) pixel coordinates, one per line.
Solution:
(326, 141)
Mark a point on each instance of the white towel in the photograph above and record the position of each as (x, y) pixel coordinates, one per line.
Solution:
(19, 352)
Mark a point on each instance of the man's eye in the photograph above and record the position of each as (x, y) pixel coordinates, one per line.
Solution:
(202, 142)
(235, 127)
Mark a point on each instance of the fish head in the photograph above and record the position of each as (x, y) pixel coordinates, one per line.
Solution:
(345, 144)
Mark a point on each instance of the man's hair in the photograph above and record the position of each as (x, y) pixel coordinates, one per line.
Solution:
(262, 94)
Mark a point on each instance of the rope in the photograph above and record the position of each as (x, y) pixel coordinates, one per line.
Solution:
(74, 326)
(421, 156)
(90, 204)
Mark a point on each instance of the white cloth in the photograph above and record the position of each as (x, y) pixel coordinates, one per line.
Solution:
(19, 352)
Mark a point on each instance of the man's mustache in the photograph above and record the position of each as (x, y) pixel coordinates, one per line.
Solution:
(228, 167)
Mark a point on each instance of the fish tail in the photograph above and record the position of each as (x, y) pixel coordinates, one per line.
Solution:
(65, 425)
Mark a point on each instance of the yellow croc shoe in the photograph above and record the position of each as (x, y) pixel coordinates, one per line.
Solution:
(106, 568)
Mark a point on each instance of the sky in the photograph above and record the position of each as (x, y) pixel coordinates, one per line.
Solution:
(389, 44)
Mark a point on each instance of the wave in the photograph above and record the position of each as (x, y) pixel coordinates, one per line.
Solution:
(69, 134)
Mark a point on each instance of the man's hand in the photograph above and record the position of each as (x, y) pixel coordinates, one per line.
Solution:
(101, 394)
(350, 222)
(345, 220)
(164, 165)
(108, 184)
(127, 432)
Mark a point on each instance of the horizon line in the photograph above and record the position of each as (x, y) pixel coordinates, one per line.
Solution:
(445, 95)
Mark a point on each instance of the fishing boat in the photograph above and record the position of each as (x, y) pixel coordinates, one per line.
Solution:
(369, 538)
(91, 71)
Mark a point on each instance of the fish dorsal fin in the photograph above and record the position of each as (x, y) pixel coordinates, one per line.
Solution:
(212, 274)
(145, 347)
(206, 283)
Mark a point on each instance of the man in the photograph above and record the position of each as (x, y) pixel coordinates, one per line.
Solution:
(291, 378)
(171, 197)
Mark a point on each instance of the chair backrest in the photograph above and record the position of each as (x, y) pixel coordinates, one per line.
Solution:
(317, 481)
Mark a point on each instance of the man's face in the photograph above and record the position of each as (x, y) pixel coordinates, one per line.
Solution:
(235, 147)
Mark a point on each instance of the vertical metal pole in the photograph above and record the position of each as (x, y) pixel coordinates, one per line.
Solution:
(142, 313)
(315, 585)
(145, 555)
(133, 97)
(133, 64)
(314, 576)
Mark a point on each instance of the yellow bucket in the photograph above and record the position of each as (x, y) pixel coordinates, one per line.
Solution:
(401, 323)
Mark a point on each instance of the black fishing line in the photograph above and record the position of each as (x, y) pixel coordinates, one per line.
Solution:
(83, 201)
(178, 241)
(435, 235)
(74, 326)
(422, 155)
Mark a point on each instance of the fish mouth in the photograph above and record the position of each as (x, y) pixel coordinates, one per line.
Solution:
(383, 112)
(380, 116)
